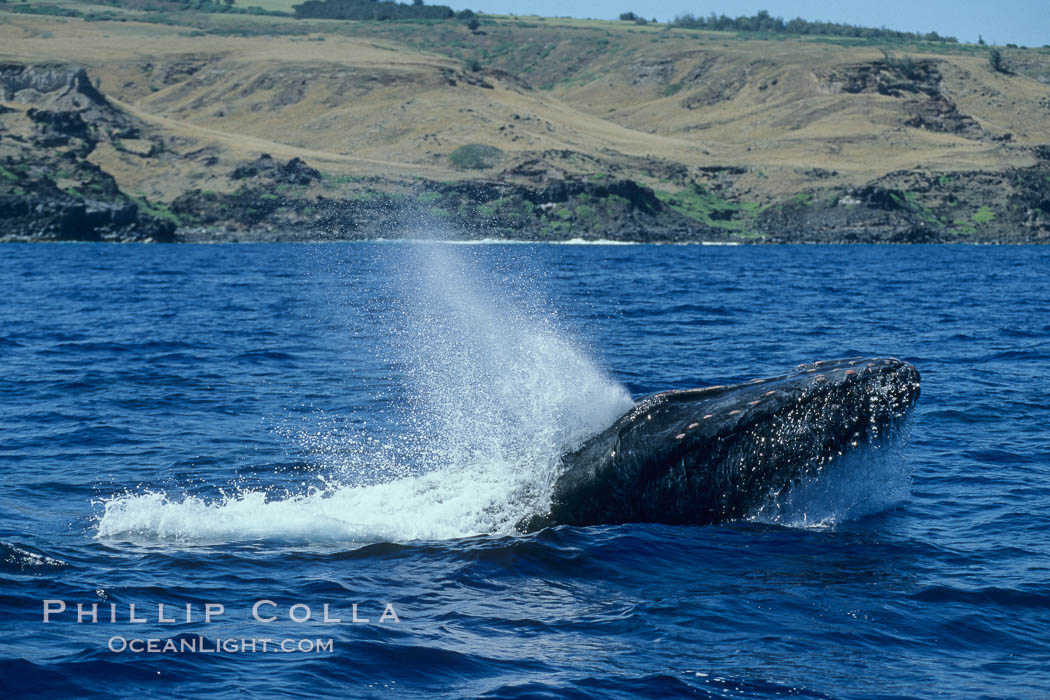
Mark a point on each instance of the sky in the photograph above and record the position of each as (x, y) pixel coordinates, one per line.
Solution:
(1023, 22)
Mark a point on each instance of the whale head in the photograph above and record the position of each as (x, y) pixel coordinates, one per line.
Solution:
(715, 454)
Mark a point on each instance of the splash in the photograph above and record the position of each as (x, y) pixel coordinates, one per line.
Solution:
(493, 392)
(870, 480)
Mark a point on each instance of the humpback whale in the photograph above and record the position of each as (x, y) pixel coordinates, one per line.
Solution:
(702, 456)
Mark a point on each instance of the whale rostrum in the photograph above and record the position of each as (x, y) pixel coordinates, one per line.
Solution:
(701, 456)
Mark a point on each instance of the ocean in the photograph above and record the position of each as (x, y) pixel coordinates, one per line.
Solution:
(295, 471)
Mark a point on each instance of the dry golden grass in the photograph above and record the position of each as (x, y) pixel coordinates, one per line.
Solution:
(639, 101)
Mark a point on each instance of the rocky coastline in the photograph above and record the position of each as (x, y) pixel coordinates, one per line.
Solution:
(54, 118)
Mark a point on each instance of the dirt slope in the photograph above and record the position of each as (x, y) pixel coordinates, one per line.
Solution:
(720, 128)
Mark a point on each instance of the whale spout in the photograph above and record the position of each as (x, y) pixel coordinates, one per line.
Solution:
(701, 456)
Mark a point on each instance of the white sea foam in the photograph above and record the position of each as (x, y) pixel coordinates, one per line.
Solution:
(497, 392)
(597, 241)
(508, 241)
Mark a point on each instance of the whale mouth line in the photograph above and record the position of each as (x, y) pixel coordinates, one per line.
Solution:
(707, 455)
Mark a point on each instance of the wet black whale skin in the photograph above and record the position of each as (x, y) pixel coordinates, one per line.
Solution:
(701, 456)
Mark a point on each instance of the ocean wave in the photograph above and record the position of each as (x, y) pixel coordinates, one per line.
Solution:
(21, 560)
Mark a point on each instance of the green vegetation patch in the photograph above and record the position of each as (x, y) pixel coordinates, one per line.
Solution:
(330, 181)
(764, 23)
(156, 209)
(983, 216)
(475, 156)
(53, 10)
(904, 65)
(708, 208)
(910, 201)
(372, 10)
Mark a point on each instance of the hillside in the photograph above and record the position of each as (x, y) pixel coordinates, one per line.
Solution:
(235, 126)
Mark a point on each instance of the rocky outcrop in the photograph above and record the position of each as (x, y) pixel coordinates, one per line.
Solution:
(917, 206)
(55, 121)
(49, 190)
(940, 114)
(43, 212)
(918, 82)
(558, 210)
(55, 85)
(294, 172)
(868, 215)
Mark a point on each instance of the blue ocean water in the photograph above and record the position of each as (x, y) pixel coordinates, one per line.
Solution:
(362, 424)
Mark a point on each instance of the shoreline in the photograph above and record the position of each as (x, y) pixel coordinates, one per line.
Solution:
(522, 242)
(190, 144)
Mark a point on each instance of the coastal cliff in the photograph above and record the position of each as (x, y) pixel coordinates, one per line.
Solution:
(330, 130)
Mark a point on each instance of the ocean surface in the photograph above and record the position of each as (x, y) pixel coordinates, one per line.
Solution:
(288, 427)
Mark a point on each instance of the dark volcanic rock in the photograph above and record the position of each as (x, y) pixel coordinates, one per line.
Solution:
(919, 206)
(916, 81)
(37, 210)
(48, 189)
(869, 215)
(558, 210)
(892, 77)
(903, 207)
(56, 85)
(294, 172)
(941, 115)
